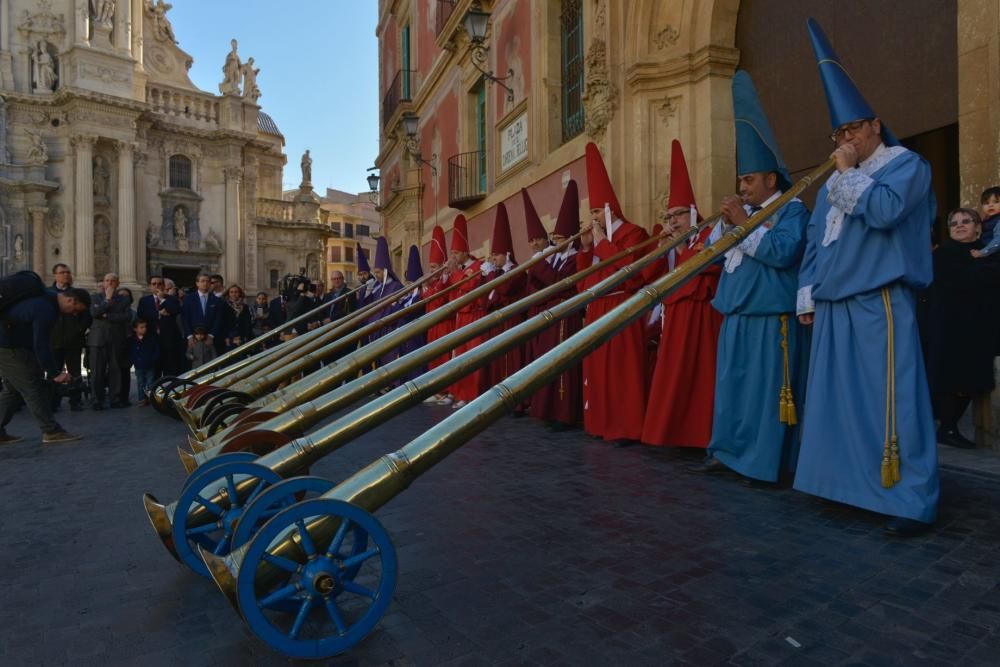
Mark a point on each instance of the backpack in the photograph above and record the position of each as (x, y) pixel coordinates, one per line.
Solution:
(18, 287)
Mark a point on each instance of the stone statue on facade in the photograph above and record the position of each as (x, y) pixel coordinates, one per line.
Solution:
(102, 177)
(152, 235)
(180, 223)
(102, 12)
(18, 248)
(37, 153)
(44, 69)
(162, 29)
(307, 168)
(212, 242)
(231, 71)
(250, 89)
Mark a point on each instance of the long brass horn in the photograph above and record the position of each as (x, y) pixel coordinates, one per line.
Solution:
(291, 559)
(298, 416)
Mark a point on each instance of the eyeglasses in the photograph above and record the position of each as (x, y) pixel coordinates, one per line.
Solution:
(960, 221)
(853, 128)
(676, 214)
(63, 271)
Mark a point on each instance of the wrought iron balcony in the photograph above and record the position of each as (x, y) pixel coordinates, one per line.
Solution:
(399, 91)
(466, 179)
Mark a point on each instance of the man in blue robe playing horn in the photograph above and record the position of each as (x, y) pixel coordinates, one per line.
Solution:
(763, 351)
(868, 432)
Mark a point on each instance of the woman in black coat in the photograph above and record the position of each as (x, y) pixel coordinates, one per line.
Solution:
(236, 324)
(961, 325)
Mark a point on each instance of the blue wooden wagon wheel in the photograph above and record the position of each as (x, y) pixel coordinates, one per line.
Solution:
(273, 500)
(338, 597)
(215, 532)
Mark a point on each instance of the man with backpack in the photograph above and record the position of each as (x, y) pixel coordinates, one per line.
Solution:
(26, 352)
(69, 338)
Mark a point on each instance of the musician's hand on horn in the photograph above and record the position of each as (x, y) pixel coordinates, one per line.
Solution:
(733, 211)
(846, 157)
(598, 232)
(587, 238)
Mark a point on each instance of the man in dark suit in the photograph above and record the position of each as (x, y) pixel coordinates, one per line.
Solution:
(200, 309)
(160, 311)
(112, 313)
(277, 311)
(342, 306)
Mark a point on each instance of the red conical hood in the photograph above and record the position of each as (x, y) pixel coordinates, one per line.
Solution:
(532, 223)
(568, 222)
(438, 253)
(502, 242)
(460, 235)
(598, 184)
(681, 192)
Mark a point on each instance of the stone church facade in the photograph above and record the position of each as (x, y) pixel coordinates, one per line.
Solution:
(113, 160)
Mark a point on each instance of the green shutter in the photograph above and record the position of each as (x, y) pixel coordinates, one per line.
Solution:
(405, 41)
(481, 132)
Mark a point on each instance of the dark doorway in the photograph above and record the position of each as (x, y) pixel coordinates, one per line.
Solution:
(183, 276)
(940, 148)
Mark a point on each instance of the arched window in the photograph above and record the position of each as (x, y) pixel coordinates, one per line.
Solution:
(180, 172)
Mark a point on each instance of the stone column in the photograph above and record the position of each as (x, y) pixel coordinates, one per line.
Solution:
(38, 239)
(141, 261)
(978, 97)
(137, 32)
(232, 244)
(83, 144)
(126, 212)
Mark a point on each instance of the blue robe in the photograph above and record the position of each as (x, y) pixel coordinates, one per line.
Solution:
(381, 289)
(868, 242)
(758, 286)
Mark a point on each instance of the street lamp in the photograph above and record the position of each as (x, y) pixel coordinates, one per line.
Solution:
(411, 126)
(476, 23)
(373, 180)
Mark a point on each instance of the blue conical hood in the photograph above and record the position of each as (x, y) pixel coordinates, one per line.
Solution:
(382, 254)
(844, 100)
(756, 148)
(413, 270)
(362, 260)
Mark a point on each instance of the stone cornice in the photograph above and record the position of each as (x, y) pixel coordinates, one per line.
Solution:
(683, 70)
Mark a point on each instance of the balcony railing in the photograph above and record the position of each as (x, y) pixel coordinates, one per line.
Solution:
(196, 107)
(275, 209)
(466, 179)
(445, 9)
(399, 91)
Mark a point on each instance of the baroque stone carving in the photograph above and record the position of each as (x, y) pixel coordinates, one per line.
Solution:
(231, 71)
(42, 23)
(666, 37)
(44, 68)
(250, 90)
(102, 12)
(162, 29)
(102, 178)
(600, 14)
(667, 109)
(107, 75)
(601, 99)
(152, 234)
(212, 241)
(180, 223)
(18, 248)
(37, 154)
(55, 221)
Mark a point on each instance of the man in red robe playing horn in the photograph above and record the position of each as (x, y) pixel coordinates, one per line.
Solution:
(462, 264)
(682, 392)
(559, 403)
(614, 385)
(437, 256)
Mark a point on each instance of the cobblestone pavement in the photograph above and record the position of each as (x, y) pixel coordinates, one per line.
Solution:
(524, 547)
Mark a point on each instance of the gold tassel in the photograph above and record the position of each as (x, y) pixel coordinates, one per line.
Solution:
(894, 459)
(890, 450)
(786, 401)
(886, 469)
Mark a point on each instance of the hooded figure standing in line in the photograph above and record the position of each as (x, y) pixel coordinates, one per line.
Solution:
(501, 261)
(763, 350)
(414, 272)
(681, 393)
(868, 435)
(614, 385)
(386, 284)
(437, 257)
(364, 277)
(465, 265)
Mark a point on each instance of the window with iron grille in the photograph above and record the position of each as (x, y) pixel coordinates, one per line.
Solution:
(180, 172)
(571, 32)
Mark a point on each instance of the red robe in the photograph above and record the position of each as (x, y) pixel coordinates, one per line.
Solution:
(682, 393)
(440, 329)
(502, 296)
(471, 385)
(562, 399)
(614, 383)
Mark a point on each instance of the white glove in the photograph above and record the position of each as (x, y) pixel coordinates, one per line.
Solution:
(508, 266)
(488, 268)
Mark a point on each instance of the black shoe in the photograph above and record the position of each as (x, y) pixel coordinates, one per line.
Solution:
(622, 443)
(953, 438)
(710, 466)
(898, 526)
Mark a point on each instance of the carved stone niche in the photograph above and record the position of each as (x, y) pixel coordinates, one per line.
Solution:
(179, 222)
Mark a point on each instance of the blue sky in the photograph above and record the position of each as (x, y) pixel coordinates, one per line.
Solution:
(318, 63)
